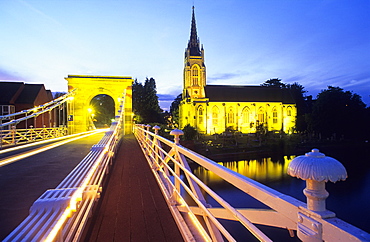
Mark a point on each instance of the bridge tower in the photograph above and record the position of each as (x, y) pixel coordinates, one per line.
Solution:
(87, 87)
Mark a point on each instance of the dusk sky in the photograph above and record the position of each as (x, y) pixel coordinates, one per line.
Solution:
(313, 42)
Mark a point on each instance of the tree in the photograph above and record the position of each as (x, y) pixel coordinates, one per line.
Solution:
(337, 113)
(275, 82)
(174, 108)
(145, 102)
(297, 91)
(58, 94)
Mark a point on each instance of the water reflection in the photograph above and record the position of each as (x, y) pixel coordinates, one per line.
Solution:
(352, 194)
(268, 171)
(263, 170)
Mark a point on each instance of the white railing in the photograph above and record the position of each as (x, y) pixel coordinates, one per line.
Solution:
(169, 163)
(21, 136)
(61, 214)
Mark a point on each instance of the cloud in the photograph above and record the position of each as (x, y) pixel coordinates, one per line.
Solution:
(223, 76)
(7, 75)
(40, 13)
(166, 97)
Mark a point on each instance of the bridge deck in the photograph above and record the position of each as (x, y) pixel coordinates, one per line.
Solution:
(132, 207)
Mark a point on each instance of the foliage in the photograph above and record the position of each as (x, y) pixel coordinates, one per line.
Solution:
(339, 114)
(189, 132)
(58, 94)
(297, 92)
(145, 103)
(174, 109)
(275, 82)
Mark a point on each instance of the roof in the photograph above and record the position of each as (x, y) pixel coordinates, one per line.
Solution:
(29, 93)
(227, 93)
(9, 91)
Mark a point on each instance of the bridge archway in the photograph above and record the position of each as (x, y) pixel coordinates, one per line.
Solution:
(87, 87)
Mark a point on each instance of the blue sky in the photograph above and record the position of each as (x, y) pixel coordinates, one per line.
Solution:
(313, 42)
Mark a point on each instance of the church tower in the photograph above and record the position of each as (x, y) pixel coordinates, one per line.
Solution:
(194, 67)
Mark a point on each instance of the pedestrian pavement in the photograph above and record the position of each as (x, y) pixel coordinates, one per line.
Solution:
(132, 207)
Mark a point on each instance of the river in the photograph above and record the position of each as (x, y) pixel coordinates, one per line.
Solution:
(349, 199)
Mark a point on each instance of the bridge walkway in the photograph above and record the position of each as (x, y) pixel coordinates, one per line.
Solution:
(132, 207)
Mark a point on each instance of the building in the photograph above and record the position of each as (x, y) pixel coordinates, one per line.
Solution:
(216, 108)
(18, 96)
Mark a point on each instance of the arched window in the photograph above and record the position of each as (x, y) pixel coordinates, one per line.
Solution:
(289, 111)
(230, 116)
(215, 113)
(200, 115)
(261, 116)
(274, 115)
(245, 114)
(195, 75)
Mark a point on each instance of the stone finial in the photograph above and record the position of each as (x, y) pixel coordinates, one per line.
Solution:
(316, 166)
(316, 169)
(156, 128)
(177, 133)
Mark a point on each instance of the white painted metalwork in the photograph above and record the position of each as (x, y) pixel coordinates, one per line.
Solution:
(61, 214)
(318, 167)
(200, 222)
(21, 136)
(23, 115)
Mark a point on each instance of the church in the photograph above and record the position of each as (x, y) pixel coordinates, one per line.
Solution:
(213, 109)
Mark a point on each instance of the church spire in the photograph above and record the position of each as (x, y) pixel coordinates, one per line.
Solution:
(193, 44)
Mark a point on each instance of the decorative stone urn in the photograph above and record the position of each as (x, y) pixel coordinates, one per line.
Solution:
(316, 169)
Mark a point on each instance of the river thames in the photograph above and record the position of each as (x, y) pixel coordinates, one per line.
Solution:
(349, 199)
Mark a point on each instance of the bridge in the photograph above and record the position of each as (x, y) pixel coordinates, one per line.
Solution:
(109, 184)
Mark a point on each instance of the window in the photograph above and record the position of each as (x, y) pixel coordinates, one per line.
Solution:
(200, 115)
(261, 116)
(7, 109)
(215, 112)
(195, 75)
(289, 111)
(230, 116)
(274, 116)
(245, 114)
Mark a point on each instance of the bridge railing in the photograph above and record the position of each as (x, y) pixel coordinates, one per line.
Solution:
(21, 136)
(61, 214)
(201, 222)
(15, 118)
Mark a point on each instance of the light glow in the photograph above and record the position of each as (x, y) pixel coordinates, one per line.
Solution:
(26, 154)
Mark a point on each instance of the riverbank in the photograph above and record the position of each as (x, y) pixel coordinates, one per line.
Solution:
(231, 148)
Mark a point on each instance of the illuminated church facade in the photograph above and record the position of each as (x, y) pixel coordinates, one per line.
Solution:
(216, 108)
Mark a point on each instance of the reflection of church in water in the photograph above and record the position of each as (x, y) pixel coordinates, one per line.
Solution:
(215, 108)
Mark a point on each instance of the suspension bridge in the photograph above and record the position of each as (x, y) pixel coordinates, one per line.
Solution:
(112, 185)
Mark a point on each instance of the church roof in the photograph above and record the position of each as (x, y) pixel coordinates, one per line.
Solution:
(193, 44)
(227, 93)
